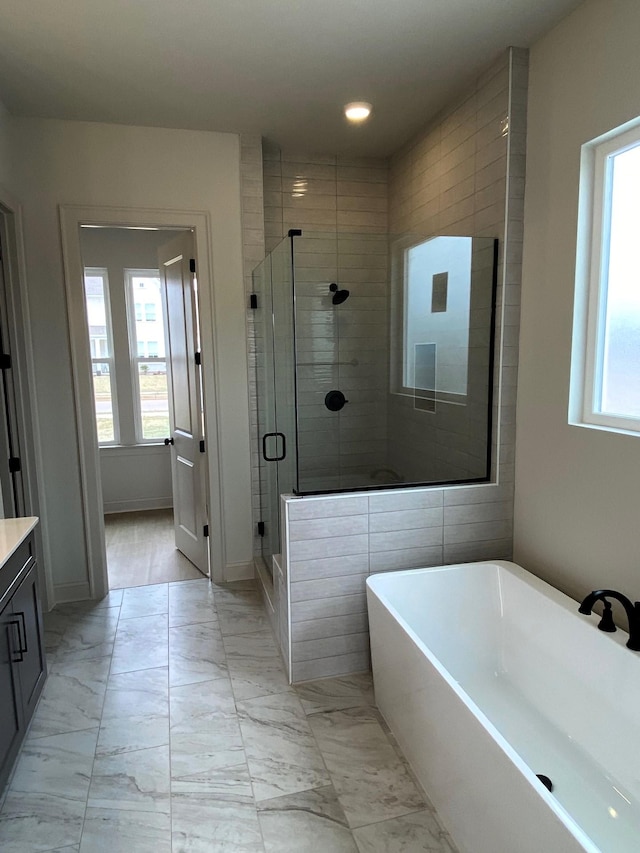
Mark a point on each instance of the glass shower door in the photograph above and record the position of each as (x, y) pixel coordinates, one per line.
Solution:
(265, 402)
(273, 286)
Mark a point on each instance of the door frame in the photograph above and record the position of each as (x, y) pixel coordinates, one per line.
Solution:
(71, 218)
(20, 343)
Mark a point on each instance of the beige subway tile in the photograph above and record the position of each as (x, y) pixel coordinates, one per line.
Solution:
(354, 173)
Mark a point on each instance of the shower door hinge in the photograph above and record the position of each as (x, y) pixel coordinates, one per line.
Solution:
(192, 265)
(253, 301)
(261, 528)
(5, 361)
(15, 464)
(205, 531)
(202, 445)
(198, 357)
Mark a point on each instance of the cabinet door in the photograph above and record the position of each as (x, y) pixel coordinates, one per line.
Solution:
(10, 705)
(26, 612)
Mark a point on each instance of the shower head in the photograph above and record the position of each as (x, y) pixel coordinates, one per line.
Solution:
(339, 296)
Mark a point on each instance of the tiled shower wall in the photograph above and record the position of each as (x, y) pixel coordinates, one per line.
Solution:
(464, 175)
(341, 207)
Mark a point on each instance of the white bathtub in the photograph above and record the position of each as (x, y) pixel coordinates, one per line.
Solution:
(488, 676)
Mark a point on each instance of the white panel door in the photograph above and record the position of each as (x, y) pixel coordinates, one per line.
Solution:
(188, 466)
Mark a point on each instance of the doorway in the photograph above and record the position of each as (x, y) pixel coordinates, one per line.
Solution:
(143, 339)
(131, 436)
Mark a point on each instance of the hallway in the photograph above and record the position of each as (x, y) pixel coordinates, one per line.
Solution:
(167, 726)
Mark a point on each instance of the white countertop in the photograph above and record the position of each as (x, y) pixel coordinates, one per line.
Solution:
(13, 531)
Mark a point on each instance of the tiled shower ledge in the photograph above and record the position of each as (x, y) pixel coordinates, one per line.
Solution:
(167, 725)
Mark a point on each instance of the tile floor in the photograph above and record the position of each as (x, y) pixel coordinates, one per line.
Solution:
(167, 726)
(141, 550)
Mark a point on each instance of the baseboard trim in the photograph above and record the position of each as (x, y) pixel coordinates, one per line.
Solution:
(239, 572)
(67, 592)
(137, 505)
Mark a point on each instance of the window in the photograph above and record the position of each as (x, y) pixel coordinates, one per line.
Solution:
(605, 372)
(433, 317)
(135, 301)
(96, 288)
(148, 353)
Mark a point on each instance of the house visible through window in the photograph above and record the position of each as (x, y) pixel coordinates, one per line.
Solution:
(605, 376)
(138, 368)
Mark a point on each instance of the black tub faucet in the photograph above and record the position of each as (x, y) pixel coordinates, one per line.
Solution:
(633, 613)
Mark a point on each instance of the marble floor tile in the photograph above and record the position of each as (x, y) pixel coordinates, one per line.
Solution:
(89, 635)
(255, 665)
(307, 822)
(190, 727)
(236, 590)
(336, 694)
(72, 698)
(55, 625)
(112, 599)
(145, 601)
(414, 833)
(191, 602)
(228, 781)
(141, 643)
(281, 751)
(201, 824)
(44, 807)
(205, 734)
(196, 653)
(117, 831)
(139, 781)
(136, 711)
(242, 617)
(371, 781)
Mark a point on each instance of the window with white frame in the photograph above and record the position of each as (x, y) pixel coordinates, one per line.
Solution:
(147, 346)
(96, 287)
(605, 374)
(139, 364)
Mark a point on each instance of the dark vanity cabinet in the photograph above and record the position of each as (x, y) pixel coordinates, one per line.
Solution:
(22, 654)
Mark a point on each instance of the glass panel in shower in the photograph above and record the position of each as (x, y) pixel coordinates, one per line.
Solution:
(275, 390)
(265, 403)
(378, 364)
(393, 360)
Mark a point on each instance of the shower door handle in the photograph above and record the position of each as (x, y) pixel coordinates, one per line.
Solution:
(264, 447)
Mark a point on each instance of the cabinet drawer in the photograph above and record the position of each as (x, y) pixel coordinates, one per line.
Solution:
(16, 567)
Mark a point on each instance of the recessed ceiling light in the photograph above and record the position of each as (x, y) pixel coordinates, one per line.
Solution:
(357, 111)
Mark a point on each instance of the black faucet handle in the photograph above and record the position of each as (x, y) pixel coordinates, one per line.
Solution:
(606, 623)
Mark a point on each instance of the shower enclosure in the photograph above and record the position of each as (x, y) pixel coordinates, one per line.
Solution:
(374, 359)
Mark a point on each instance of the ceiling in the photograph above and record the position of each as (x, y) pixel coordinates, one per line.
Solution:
(279, 68)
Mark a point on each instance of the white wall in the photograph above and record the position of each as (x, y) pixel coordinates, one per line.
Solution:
(576, 501)
(85, 163)
(5, 165)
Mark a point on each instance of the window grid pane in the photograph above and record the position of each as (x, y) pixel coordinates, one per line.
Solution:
(147, 336)
(101, 349)
(103, 401)
(154, 400)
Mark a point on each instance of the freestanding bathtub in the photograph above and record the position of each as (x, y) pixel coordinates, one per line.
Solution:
(488, 676)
